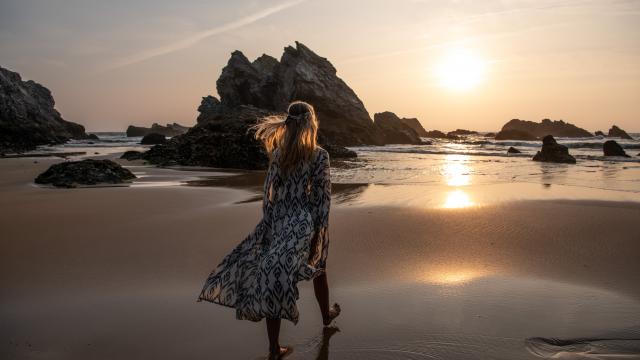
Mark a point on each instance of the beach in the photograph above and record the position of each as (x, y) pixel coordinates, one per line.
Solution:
(114, 272)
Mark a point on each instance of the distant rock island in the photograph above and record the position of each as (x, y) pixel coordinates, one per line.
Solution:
(28, 117)
(617, 132)
(517, 129)
(250, 90)
(169, 130)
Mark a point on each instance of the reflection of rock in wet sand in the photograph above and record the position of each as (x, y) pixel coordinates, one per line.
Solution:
(253, 182)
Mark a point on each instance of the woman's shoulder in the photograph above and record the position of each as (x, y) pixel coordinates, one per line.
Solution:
(321, 153)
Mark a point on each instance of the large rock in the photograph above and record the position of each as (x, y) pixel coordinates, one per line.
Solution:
(512, 134)
(168, 130)
(553, 152)
(28, 117)
(393, 130)
(415, 125)
(619, 133)
(153, 139)
(545, 127)
(85, 172)
(612, 148)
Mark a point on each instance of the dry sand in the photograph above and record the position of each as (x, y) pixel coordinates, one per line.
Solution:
(113, 272)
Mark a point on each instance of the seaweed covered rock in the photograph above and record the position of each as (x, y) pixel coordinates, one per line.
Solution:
(612, 148)
(28, 117)
(553, 152)
(85, 172)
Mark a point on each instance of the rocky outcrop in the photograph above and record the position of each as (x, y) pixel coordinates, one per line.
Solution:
(599, 133)
(169, 130)
(132, 155)
(393, 130)
(415, 125)
(559, 128)
(513, 150)
(511, 134)
(437, 134)
(619, 133)
(28, 117)
(339, 152)
(612, 148)
(461, 132)
(553, 152)
(86, 172)
(153, 139)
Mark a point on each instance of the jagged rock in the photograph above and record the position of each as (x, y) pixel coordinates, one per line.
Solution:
(132, 155)
(153, 139)
(299, 75)
(553, 152)
(168, 130)
(490, 135)
(437, 134)
(85, 172)
(339, 152)
(515, 135)
(619, 133)
(415, 125)
(539, 130)
(461, 132)
(599, 133)
(513, 150)
(612, 148)
(28, 117)
(393, 130)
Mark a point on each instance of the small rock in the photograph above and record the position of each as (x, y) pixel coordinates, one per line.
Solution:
(131, 155)
(153, 139)
(339, 152)
(86, 172)
(513, 150)
(553, 152)
(612, 148)
(599, 133)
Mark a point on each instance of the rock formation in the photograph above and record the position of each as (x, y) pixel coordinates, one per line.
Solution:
(599, 133)
(612, 148)
(132, 155)
(415, 125)
(553, 152)
(513, 150)
(393, 130)
(619, 133)
(28, 117)
(86, 172)
(513, 134)
(538, 130)
(461, 132)
(168, 130)
(437, 134)
(153, 139)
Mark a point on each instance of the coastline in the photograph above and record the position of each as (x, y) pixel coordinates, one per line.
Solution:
(110, 272)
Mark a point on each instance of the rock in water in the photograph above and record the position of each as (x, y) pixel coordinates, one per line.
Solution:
(462, 132)
(612, 148)
(168, 130)
(513, 150)
(437, 134)
(415, 125)
(538, 130)
(512, 134)
(153, 139)
(619, 133)
(85, 172)
(339, 152)
(132, 155)
(393, 130)
(599, 133)
(553, 152)
(28, 117)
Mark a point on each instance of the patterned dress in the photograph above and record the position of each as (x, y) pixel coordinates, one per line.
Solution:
(259, 277)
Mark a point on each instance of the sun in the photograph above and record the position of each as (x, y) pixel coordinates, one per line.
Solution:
(461, 69)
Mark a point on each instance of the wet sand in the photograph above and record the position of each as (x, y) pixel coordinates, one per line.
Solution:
(113, 272)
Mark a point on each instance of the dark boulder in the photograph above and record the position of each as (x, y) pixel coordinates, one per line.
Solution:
(612, 148)
(512, 134)
(543, 128)
(92, 137)
(168, 130)
(85, 172)
(599, 133)
(415, 125)
(553, 152)
(28, 117)
(339, 152)
(153, 139)
(490, 134)
(393, 130)
(437, 134)
(132, 155)
(513, 150)
(461, 132)
(619, 133)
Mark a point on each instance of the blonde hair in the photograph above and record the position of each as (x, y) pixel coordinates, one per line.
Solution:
(294, 134)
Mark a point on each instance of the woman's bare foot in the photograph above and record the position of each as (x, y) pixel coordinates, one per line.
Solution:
(334, 311)
(281, 353)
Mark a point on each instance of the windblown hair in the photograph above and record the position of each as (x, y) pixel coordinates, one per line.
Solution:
(294, 134)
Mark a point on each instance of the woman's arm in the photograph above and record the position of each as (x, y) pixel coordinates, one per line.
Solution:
(320, 205)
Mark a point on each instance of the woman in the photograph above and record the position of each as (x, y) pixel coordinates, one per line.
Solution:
(290, 243)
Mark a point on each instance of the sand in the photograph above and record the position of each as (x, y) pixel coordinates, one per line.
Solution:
(113, 272)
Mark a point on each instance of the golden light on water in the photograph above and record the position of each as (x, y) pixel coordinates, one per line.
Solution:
(461, 69)
(457, 174)
(457, 199)
(452, 276)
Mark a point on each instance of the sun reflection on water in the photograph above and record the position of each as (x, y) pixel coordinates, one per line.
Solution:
(452, 276)
(457, 199)
(455, 170)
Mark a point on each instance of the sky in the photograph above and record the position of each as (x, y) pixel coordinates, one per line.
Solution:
(469, 64)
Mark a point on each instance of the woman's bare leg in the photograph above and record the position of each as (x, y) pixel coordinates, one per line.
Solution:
(273, 331)
(321, 288)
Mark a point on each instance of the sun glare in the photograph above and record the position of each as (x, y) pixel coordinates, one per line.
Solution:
(460, 69)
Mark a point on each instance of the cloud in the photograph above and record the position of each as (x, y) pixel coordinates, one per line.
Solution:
(201, 35)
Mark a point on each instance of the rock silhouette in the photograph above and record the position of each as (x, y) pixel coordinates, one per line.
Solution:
(153, 139)
(553, 152)
(516, 129)
(612, 148)
(394, 130)
(619, 133)
(168, 130)
(86, 172)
